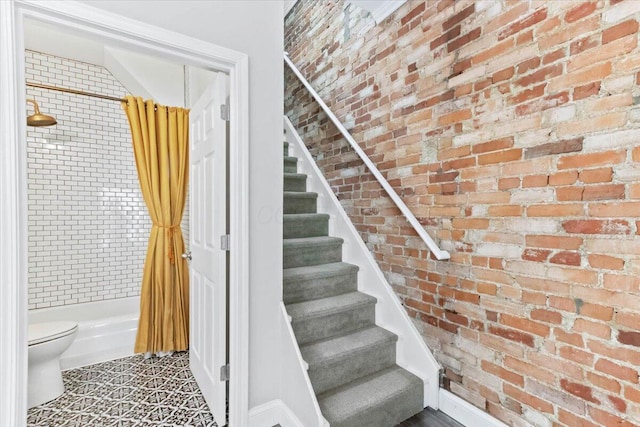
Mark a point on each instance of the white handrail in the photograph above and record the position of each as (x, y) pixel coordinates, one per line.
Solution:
(433, 247)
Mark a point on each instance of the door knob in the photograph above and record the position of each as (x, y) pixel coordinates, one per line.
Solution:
(187, 256)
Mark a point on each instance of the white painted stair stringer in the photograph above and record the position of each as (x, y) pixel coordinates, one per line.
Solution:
(297, 392)
(412, 353)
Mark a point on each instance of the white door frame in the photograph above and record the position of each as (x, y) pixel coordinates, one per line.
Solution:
(137, 36)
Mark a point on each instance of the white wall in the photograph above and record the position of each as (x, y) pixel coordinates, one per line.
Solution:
(255, 28)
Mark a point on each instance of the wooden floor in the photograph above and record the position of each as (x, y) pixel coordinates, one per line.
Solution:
(430, 418)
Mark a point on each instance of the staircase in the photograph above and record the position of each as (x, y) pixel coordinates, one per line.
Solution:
(352, 362)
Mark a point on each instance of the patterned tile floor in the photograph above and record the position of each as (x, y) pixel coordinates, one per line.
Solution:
(125, 393)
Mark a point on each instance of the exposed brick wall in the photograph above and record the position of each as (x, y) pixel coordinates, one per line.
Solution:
(510, 129)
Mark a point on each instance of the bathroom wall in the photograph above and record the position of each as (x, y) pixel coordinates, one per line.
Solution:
(88, 224)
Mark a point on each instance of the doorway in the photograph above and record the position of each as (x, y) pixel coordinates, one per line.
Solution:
(152, 41)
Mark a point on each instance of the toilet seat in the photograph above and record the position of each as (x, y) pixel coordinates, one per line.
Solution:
(48, 331)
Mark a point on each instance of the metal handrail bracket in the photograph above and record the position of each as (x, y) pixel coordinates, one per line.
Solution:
(431, 244)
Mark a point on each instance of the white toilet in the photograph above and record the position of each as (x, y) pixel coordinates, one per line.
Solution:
(47, 342)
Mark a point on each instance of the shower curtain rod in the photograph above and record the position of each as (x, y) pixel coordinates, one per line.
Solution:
(77, 92)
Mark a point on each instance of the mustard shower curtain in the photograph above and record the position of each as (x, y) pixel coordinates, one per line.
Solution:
(161, 146)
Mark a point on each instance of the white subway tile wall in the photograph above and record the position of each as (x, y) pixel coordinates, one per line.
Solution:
(88, 224)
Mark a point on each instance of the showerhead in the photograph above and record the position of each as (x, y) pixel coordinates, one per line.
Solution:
(39, 119)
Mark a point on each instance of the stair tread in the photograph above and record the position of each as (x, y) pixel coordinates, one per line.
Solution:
(295, 175)
(335, 348)
(329, 305)
(318, 240)
(290, 159)
(300, 194)
(306, 215)
(320, 270)
(366, 393)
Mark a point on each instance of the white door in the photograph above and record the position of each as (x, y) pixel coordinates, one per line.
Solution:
(208, 266)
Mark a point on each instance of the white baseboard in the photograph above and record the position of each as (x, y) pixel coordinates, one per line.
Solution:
(272, 413)
(464, 412)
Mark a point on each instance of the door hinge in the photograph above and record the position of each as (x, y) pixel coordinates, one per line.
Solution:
(224, 372)
(225, 242)
(225, 112)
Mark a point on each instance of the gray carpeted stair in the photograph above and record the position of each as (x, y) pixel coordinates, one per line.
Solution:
(319, 281)
(351, 360)
(290, 164)
(305, 225)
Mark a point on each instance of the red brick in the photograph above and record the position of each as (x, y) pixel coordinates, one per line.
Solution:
(591, 176)
(528, 399)
(547, 316)
(629, 338)
(575, 355)
(604, 158)
(560, 147)
(413, 13)
(566, 258)
(618, 403)
(583, 44)
(592, 328)
(525, 325)
(579, 12)
(606, 419)
(471, 223)
(533, 181)
(617, 31)
(500, 156)
(632, 394)
(593, 226)
(446, 37)
(492, 52)
(463, 40)
(496, 144)
(572, 420)
(604, 192)
(569, 338)
(528, 94)
(553, 242)
(459, 17)
(616, 370)
(553, 56)
(603, 382)
(563, 178)
(540, 75)
(501, 75)
(605, 262)
(520, 25)
(512, 335)
(624, 209)
(582, 391)
(586, 91)
(529, 64)
(538, 255)
(502, 373)
(454, 117)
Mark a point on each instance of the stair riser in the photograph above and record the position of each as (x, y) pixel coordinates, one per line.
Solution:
(291, 165)
(394, 411)
(293, 205)
(321, 327)
(301, 256)
(305, 227)
(339, 372)
(295, 183)
(304, 289)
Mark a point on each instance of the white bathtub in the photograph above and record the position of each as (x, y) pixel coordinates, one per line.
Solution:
(106, 329)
